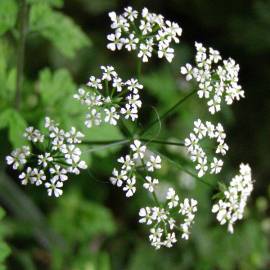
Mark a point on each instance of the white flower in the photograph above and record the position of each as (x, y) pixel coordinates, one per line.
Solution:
(197, 154)
(145, 52)
(231, 208)
(145, 215)
(187, 70)
(130, 13)
(111, 116)
(94, 82)
(33, 135)
(216, 166)
(170, 240)
(118, 178)
(118, 84)
(219, 79)
(18, 157)
(130, 112)
(202, 166)
(165, 51)
(153, 163)
(138, 149)
(150, 183)
(133, 85)
(131, 42)
(172, 197)
(116, 41)
(44, 159)
(38, 176)
(127, 162)
(93, 118)
(108, 73)
(26, 176)
(130, 188)
(54, 188)
(59, 173)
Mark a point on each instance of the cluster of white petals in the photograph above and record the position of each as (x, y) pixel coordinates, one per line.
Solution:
(217, 78)
(231, 208)
(109, 98)
(126, 176)
(54, 156)
(164, 221)
(197, 154)
(144, 33)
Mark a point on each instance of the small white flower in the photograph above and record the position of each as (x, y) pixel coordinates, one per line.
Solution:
(111, 116)
(118, 178)
(145, 216)
(54, 188)
(187, 70)
(173, 198)
(138, 149)
(150, 183)
(216, 166)
(44, 159)
(130, 188)
(127, 162)
(153, 163)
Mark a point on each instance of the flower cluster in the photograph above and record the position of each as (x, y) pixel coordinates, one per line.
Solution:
(231, 208)
(127, 175)
(163, 219)
(197, 154)
(144, 33)
(215, 79)
(140, 164)
(109, 97)
(54, 155)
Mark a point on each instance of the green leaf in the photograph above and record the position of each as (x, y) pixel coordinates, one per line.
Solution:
(17, 126)
(4, 118)
(64, 34)
(55, 86)
(16, 123)
(54, 3)
(8, 15)
(78, 219)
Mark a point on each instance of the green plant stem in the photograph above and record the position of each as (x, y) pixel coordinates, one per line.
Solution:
(102, 142)
(168, 112)
(162, 142)
(23, 22)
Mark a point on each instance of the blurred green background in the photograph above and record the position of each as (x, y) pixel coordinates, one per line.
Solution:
(93, 226)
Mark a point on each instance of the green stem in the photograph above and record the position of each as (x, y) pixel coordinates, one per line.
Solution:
(23, 21)
(162, 142)
(102, 142)
(168, 112)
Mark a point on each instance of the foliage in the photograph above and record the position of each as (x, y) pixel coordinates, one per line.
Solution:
(93, 226)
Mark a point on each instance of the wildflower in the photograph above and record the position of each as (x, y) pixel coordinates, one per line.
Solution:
(130, 188)
(153, 163)
(231, 207)
(53, 158)
(217, 79)
(138, 149)
(132, 29)
(197, 154)
(172, 197)
(150, 183)
(54, 187)
(109, 99)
